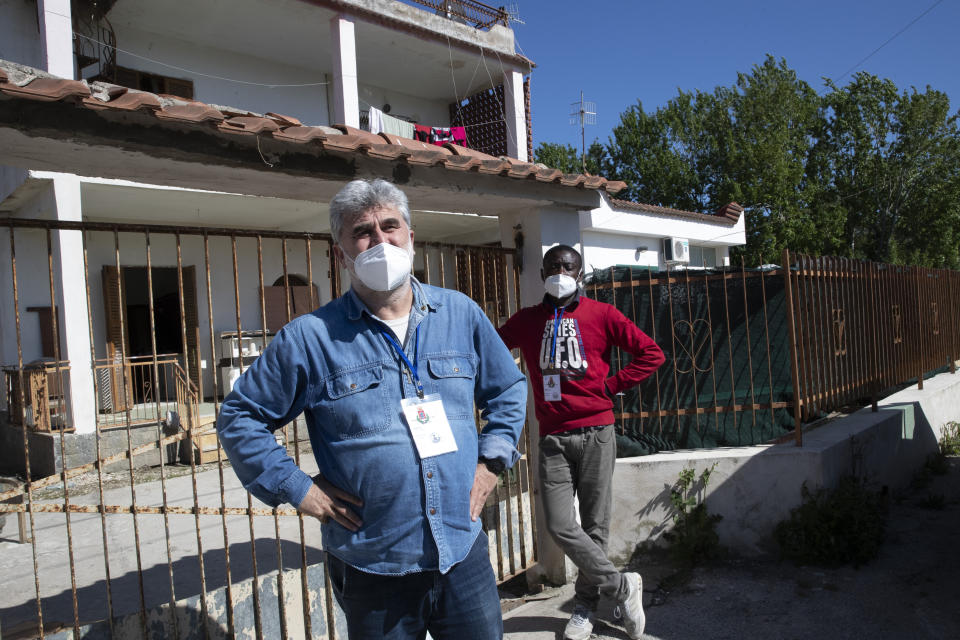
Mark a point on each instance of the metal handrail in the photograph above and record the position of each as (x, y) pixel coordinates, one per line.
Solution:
(472, 12)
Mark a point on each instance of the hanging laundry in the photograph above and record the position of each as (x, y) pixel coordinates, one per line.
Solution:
(422, 133)
(439, 135)
(397, 127)
(459, 135)
(375, 119)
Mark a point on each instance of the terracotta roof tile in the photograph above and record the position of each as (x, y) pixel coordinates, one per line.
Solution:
(123, 101)
(549, 175)
(24, 83)
(461, 163)
(301, 135)
(193, 112)
(365, 136)
(250, 125)
(651, 208)
(284, 120)
(386, 151)
(47, 89)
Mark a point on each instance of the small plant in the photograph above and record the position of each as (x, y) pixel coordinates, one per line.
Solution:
(950, 440)
(694, 536)
(835, 527)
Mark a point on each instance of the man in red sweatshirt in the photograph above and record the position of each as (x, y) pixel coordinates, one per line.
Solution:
(566, 341)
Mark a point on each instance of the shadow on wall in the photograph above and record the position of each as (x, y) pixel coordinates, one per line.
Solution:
(753, 488)
(125, 594)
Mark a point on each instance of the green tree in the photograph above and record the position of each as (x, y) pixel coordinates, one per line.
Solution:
(863, 170)
(888, 162)
(566, 158)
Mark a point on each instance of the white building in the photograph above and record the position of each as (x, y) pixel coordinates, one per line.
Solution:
(299, 77)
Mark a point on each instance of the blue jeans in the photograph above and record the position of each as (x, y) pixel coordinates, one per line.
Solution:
(462, 603)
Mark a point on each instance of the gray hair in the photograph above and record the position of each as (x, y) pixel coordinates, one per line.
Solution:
(360, 196)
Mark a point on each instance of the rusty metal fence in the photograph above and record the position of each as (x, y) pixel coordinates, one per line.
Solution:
(859, 328)
(754, 354)
(471, 12)
(151, 534)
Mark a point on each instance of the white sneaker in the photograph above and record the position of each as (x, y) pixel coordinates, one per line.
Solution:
(630, 608)
(580, 624)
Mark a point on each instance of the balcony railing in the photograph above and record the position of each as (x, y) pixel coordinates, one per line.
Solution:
(476, 14)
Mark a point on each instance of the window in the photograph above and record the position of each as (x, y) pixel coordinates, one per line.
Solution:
(154, 83)
(703, 256)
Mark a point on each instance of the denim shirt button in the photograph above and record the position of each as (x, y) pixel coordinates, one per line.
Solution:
(433, 512)
(429, 474)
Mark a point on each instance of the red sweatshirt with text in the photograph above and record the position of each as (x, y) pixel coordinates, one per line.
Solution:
(587, 332)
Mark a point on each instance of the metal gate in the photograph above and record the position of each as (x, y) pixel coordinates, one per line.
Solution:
(143, 530)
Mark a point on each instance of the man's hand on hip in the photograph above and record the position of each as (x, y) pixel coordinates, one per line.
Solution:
(484, 481)
(325, 502)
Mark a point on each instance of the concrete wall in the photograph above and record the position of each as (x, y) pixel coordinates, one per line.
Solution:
(20, 33)
(309, 104)
(754, 488)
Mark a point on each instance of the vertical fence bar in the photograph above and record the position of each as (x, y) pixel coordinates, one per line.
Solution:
(24, 433)
(733, 384)
(257, 614)
(794, 357)
(231, 628)
(191, 426)
(766, 334)
(163, 476)
(805, 315)
(619, 353)
(121, 297)
(304, 583)
(531, 465)
(876, 326)
(281, 601)
(746, 325)
(108, 583)
(673, 347)
(63, 456)
(653, 336)
(693, 354)
(713, 367)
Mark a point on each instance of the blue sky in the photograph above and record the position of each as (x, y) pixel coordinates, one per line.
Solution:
(618, 52)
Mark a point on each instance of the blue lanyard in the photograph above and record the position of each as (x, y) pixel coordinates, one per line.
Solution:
(411, 366)
(556, 327)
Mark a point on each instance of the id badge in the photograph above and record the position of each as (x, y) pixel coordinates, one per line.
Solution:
(551, 388)
(429, 425)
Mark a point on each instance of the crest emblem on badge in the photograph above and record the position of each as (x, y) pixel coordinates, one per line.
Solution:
(436, 437)
(422, 416)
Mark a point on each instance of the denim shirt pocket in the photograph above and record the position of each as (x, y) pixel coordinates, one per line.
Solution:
(453, 376)
(357, 401)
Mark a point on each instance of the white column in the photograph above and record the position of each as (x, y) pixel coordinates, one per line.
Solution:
(552, 565)
(515, 114)
(57, 36)
(74, 313)
(346, 104)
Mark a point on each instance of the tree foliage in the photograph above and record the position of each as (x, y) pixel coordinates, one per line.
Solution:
(864, 170)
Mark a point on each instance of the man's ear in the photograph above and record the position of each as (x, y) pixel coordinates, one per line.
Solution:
(337, 251)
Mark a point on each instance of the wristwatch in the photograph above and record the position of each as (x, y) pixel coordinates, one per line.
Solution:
(493, 465)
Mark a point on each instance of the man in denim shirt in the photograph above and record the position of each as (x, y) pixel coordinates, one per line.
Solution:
(387, 377)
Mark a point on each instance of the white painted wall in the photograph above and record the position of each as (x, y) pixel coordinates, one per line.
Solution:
(431, 113)
(309, 104)
(604, 250)
(20, 33)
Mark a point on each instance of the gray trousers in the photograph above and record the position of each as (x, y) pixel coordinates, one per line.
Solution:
(581, 462)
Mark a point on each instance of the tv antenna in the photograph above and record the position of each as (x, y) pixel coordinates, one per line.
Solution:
(513, 13)
(583, 113)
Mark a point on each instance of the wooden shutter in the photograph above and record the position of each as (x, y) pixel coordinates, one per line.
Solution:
(116, 337)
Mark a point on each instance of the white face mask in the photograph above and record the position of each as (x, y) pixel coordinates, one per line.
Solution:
(560, 286)
(383, 267)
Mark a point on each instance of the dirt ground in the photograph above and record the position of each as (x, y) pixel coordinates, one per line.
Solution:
(912, 590)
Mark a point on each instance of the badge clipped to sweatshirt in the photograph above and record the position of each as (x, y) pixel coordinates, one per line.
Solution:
(429, 425)
(551, 383)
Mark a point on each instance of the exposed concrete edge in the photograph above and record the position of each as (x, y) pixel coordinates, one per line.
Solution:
(754, 488)
(159, 624)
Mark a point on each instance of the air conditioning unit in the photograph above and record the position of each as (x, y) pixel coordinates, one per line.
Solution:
(676, 250)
